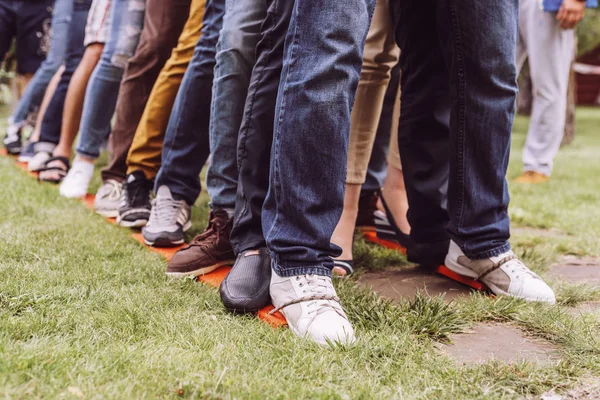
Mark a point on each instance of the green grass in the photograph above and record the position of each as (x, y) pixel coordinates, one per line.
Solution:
(87, 312)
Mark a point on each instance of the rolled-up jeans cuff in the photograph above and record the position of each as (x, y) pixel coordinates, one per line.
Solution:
(356, 177)
(307, 270)
(45, 147)
(486, 254)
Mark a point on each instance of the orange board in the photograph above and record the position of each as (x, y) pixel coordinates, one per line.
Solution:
(443, 270)
(371, 236)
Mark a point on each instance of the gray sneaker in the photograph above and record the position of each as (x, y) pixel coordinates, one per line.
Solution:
(108, 199)
(169, 220)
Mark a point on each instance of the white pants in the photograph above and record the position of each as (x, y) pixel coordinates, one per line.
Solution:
(550, 51)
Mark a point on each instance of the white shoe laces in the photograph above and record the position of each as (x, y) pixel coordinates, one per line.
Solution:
(314, 289)
(111, 190)
(165, 211)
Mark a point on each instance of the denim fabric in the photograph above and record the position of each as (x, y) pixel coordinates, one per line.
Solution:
(321, 69)
(186, 145)
(256, 133)
(127, 19)
(377, 170)
(235, 59)
(34, 92)
(458, 98)
(52, 121)
(27, 22)
(554, 5)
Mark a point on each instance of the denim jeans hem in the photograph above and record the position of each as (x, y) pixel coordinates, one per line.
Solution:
(487, 254)
(239, 246)
(87, 155)
(295, 271)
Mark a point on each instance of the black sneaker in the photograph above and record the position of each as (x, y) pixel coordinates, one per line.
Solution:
(136, 205)
(12, 141)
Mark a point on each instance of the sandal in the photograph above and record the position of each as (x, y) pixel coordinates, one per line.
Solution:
(344, 268)
(61, 171)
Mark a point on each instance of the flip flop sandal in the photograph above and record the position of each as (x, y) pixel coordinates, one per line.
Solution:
(61, 172)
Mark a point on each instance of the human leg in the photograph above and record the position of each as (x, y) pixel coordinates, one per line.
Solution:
(305, 198)
(186, 141)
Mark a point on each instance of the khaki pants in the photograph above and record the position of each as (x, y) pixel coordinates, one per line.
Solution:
(380, 56)
(146, 149)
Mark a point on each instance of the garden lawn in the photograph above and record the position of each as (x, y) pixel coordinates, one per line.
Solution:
(87, 312)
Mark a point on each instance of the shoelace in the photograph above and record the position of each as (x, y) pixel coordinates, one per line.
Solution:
(111, 191)
(165, 210)
(136, 194)
(315, 288)
(511, 261)
(210, 236)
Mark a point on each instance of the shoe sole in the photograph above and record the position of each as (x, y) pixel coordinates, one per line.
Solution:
(138, 223)
(166, 242)
(201, 271)
(107, 213)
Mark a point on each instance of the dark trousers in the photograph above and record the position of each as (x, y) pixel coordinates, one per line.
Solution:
(458, 96)
(256, 133)
(163, 23)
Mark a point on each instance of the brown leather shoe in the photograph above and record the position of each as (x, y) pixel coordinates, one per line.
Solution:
(208, 251)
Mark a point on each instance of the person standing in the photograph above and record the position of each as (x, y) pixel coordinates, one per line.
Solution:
(547, 39)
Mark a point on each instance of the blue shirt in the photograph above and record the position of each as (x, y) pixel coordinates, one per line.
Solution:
(554, 5)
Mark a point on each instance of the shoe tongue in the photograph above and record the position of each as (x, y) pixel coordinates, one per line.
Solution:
(164, 192)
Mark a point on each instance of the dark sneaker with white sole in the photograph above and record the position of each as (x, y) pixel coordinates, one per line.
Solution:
(134, 211)
(169, 220)
(208, 251)
(12, 141)
(246, 287)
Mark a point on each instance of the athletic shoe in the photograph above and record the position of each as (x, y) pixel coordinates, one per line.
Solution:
(532, 177)
(367, 206)
(27, 153)
(75, 184)
(169, 219)
(12, 141)
(108, 199)
(208, 251)
(135, 207)
(311, 307)
(246, 287)
(504, 274)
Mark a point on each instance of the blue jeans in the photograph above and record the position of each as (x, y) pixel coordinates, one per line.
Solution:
(52, 120)
(458, 98)
(377, 170)
(256, 132)
(127, 19)
(34, 92)
(321, 69)
(236, 56)
(186, 148)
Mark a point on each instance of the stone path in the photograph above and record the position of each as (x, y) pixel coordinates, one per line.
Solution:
(505, 343)
(400, 283)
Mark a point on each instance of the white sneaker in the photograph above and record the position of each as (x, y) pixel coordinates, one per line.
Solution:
(75, 184)
(312, 309)
(108, 199)
(504, 275)
(169, 220)
(38, 161)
